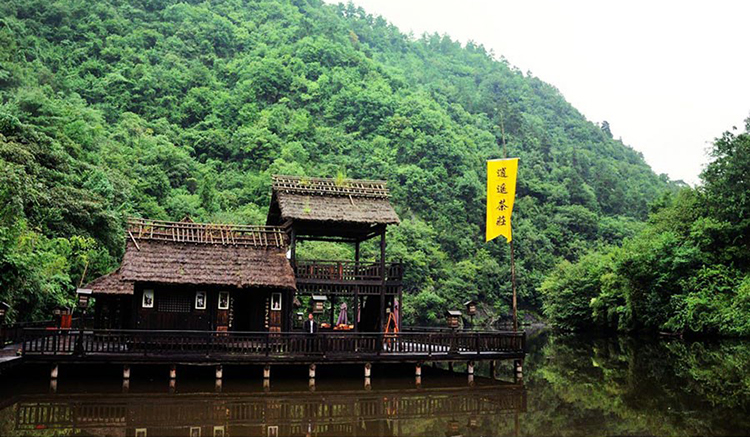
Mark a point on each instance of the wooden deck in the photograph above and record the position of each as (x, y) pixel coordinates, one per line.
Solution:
(197, 347)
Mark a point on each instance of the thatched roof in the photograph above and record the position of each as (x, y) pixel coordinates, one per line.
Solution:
(200, 254)
(330, 200)
(110, 283)
(207, 264)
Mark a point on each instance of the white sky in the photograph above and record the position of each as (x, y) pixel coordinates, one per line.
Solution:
(669, 76)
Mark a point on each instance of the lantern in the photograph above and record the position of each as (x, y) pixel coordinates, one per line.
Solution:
(471, 307)
(454, 318)
(300, 317)
(4, 307)
(318, 302)
(83, 297)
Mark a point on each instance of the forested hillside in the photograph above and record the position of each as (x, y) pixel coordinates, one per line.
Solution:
(162, 109)
(687, 271)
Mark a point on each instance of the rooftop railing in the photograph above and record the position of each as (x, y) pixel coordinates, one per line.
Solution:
(207, 233)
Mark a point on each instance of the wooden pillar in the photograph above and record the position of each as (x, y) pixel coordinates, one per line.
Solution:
(493, 364)
(290, 297)
(356, 287)
(333, 310)
(311, 374)
(293, 248)
(400, 308)
(450, 366)
(381, 320)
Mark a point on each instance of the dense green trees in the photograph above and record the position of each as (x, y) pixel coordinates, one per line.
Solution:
(164, 109)
(687, 271)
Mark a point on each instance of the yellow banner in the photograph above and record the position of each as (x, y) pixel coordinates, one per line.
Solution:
(501, 192)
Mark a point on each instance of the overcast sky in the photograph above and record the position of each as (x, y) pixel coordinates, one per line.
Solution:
(669, 76)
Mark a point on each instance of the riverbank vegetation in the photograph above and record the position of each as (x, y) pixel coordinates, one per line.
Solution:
(687, 271)
(162, 109)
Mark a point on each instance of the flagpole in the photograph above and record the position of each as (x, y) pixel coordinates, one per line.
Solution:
(512, 255)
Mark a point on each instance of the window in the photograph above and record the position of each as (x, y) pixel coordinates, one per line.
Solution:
(275, 301)
(200, 300)
(148, 299)
(223, 300)
(174, 303)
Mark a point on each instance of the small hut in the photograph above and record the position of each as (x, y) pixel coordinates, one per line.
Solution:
(192, 276)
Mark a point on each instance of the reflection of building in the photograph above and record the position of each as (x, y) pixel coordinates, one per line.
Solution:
(377, 412)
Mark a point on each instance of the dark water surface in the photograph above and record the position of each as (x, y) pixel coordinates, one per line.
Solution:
(571, 386)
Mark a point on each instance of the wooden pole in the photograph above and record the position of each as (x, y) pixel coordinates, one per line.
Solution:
(382, 281)
(513, 285)
(356, 287)
(512, 254)
(293, 256)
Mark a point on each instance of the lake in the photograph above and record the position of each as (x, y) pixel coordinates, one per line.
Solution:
(572, 385)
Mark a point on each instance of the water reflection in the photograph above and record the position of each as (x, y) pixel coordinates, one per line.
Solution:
(637, 386)
(572, 386)
(397, 408)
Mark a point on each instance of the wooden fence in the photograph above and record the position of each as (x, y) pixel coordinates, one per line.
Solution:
(270, 347)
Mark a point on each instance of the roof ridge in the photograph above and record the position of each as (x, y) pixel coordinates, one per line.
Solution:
(331, 186)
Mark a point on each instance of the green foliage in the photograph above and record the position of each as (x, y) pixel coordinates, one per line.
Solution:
(687, 271)
(166, 109)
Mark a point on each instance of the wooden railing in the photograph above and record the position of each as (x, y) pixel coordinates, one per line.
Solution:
(15, 333)
(347, 271)
(210, 233)
(254, 346)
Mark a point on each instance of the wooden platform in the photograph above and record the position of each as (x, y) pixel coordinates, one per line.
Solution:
(201, 347)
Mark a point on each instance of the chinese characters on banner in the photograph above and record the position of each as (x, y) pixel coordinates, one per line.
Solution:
(501, 192)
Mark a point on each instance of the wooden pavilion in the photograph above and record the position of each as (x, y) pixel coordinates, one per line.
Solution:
(346, 211)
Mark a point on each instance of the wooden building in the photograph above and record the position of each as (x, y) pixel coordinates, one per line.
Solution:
(190, 276)
(347, 211)
(193, 293)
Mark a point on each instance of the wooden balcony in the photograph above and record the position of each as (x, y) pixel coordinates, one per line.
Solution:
(347, 277)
